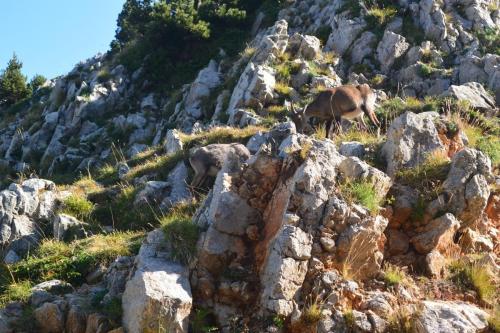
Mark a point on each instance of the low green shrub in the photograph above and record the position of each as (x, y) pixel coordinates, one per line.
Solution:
(489, 40)
(16, 292)
(77, 206)
(393, 275)
(361, 192)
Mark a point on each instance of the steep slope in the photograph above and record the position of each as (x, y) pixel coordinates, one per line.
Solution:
(389, 230)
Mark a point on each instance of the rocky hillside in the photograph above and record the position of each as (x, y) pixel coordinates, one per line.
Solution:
(390, 229)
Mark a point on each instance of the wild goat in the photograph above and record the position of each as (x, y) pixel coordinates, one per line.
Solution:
(349, 102)
(207, 161)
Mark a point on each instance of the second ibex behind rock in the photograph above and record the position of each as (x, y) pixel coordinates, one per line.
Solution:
(349, 102)
(207, 161)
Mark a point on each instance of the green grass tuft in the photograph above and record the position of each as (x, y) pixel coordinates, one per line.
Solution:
(72, 262)
(77, 206)
(283, 89)
(428, 176)
(394, 275)
(181, 233)
(361, 192)
(476, 277)
(158, 165)
(494, 319)
(16, 292)
(378, 16)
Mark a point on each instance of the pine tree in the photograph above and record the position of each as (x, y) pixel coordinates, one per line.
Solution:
(36, 82)
(13, 87)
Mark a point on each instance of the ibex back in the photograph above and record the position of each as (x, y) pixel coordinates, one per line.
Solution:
(207, 161)
(349, 102)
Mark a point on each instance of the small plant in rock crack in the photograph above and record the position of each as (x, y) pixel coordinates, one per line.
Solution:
(361, 192)
(311, 314)
(394, 275)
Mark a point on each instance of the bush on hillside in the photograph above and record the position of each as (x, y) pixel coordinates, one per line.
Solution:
(13, 87)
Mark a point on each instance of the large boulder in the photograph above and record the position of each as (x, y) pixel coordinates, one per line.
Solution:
(308, 47)
(451, 317)
(410, 138)
(391, 47)
(474, 93)
(438, 233)
(207, 79)
(173, 142)
(254, 89)
(344, 32)
(22, 207)
(432, 20)
(471, 69)
(50, 318)
(158, 294)
(478, 12)
(68, 228)
(363, 47)
(285, 270)
(466, 190)
(360, 246)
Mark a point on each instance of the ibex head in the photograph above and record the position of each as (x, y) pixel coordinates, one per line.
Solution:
(369, 98)
(299, 118)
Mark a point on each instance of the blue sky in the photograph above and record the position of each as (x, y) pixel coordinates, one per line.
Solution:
(51, 36)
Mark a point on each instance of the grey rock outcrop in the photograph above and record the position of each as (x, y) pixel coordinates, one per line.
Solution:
(410, 138)
(158, 293)
(68, 228)
(466, 190)
(460, 317)
(391, 47)
(474, 93)
(22, 206)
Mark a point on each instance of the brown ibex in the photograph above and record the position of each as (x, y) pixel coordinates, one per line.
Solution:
(207, 161)
(349, 102)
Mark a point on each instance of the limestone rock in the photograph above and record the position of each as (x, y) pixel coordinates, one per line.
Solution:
(363, 47)
(467, 185)
(207, 79)
(49, 318)
(391, 47)
(283, 275)
(158, 293)
(354, 169)
(352, 148)
(254, 88)
(306, 46)
(474, 93)
(437, 234)
(173, 142)
(179, 191)
(22, 207)
(452, 317)
(344, 32)
(67, 228)
(409, 139)
(397, 242)
(358, 246)
(471, 69)
(435, 264)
